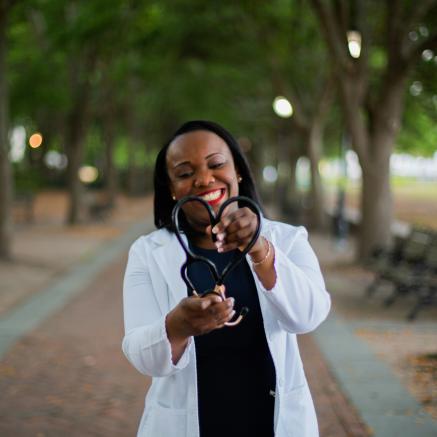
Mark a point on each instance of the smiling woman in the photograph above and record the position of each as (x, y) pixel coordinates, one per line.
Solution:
(200, 163)
(210, 380)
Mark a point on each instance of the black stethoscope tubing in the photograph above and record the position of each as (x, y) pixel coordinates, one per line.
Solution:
(191, 257)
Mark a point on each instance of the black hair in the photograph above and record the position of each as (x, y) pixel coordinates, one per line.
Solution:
(163, 202)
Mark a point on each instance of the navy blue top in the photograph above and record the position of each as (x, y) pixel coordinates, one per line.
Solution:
(235, 371)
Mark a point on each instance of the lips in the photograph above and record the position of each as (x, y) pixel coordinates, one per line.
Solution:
(213, 197)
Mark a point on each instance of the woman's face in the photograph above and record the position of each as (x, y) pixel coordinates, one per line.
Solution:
(200, 163)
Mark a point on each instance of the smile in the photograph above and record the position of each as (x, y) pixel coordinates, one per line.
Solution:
(213, 197)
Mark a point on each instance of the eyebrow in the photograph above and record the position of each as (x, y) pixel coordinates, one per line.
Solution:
(188, 162)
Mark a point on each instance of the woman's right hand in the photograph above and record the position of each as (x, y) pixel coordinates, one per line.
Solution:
(196, 316)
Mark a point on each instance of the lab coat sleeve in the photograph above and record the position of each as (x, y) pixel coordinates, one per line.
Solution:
(145, 343)
(298, 300)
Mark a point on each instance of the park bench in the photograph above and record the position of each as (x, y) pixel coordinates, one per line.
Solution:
(409, 266)
(426, 289)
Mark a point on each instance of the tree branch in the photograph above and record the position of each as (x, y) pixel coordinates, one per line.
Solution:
(393, 18)
(419, 10)
(336, 42)
(280, 86)
(325, 99)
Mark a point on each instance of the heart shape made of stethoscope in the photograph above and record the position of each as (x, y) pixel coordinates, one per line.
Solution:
(191, 257)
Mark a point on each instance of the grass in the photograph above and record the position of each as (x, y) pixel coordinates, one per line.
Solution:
(415, 200)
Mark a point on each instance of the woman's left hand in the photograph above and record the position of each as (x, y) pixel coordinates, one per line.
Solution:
(235, 230)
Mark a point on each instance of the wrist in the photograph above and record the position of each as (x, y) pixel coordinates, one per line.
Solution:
(258, 248)
(260, 255)
(175, 332)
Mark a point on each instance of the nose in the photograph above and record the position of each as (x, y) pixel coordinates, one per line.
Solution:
(204, 178)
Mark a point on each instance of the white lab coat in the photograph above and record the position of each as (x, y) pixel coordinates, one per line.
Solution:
(298, 303)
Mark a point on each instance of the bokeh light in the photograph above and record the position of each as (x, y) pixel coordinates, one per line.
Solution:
(270, 174)
(35, 140)
(282, 107)
(354, 43)
(88, 174)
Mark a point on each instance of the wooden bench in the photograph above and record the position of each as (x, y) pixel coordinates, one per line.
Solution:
(426, 289)
(410, 266)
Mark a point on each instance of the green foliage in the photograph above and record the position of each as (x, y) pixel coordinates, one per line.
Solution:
(153, 64)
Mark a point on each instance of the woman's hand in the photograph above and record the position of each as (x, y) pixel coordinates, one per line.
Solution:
(196, 316)
(235, 230)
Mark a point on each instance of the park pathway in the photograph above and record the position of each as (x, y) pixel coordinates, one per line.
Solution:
(67, 375)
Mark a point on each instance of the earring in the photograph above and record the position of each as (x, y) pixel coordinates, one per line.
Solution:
(173, 197)
(239, 179)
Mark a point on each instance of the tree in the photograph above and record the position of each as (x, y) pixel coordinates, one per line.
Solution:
(5, 166)
(372, 90)
(287, 42)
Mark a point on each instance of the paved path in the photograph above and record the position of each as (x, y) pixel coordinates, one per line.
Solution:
(69, 377)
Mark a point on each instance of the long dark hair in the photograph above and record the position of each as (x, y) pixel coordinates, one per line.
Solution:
(163, 202)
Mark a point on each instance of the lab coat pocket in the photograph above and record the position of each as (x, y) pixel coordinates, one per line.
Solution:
(298, 415)
(164, 422)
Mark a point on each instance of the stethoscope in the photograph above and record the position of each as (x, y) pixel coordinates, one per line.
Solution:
(192, 258)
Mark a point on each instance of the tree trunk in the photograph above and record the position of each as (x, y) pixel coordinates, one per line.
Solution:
(74, 154)
(77, 119)
(376, 206)
(373, 113)
(317, 210)
(6, 182)
(374, 145)
(110, 170)
(292, 204)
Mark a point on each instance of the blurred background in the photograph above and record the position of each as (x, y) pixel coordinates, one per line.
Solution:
(333, 102)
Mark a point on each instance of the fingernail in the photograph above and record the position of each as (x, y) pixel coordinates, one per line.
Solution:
(218, 244)
(220, 249)
(214, 230)
(221, 237)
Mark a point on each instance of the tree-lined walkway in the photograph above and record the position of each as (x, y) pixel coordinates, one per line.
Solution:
(69, 375)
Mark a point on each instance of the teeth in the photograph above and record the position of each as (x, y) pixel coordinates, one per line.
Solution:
(212, 196)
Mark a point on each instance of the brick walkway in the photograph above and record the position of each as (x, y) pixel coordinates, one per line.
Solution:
(69, 377)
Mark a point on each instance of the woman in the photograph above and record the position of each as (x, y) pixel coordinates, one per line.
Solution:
(209, 379)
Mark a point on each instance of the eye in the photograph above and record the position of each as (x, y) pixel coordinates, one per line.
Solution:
(217, 164)
(185, 175)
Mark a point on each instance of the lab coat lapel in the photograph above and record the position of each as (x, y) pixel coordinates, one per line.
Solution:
(169, 258)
